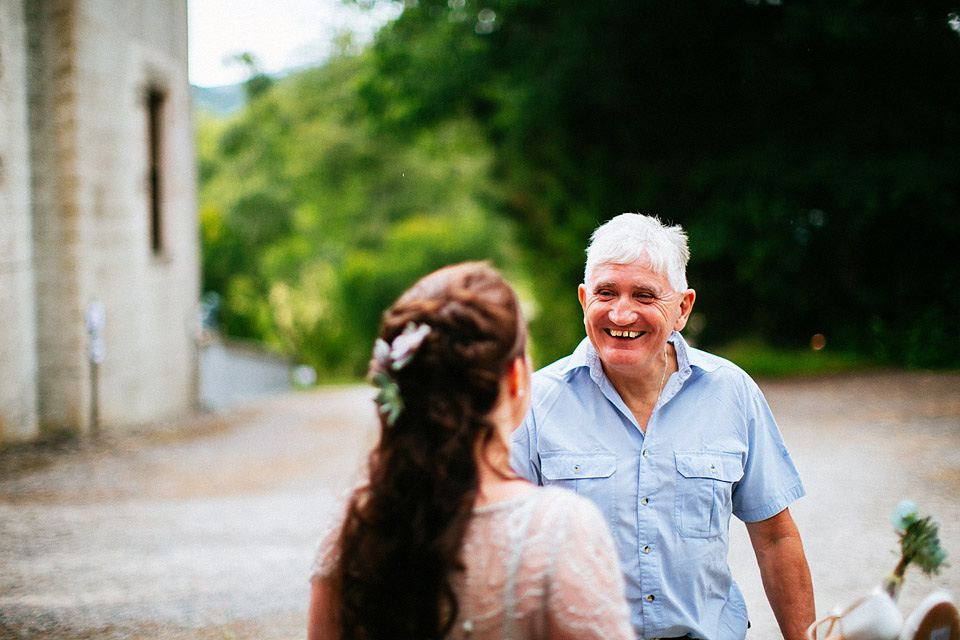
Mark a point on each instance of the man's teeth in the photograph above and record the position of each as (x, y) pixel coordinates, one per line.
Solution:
(623, 334)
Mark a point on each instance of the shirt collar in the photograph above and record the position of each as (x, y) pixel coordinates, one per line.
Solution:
(684, 367)
(584, 356)
(688, 358)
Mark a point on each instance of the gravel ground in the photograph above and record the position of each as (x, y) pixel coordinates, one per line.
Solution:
(206, 528)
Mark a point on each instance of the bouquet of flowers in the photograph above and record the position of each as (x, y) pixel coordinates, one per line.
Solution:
(876, 616)
(919, 545)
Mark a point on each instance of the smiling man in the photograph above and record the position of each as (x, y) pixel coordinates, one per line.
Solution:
(669, 441)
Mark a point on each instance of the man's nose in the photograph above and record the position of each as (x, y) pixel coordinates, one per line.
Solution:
(622, 313)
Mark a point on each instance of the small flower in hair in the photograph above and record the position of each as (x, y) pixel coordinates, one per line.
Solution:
(393, 357)
(406, 344)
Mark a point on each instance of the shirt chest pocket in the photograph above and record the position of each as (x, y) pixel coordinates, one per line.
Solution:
(589, 474)
(705, 481)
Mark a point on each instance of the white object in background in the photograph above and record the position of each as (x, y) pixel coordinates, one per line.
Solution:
(875, 617)
(96, 321)
(935, 618)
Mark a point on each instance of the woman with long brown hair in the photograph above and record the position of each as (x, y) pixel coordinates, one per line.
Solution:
(444, 540)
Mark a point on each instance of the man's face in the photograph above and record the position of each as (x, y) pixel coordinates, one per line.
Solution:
(629, 312)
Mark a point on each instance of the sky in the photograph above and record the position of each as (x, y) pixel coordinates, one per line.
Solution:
(281, 34)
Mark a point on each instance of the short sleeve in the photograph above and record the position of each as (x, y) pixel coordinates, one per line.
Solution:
(522, 451)
(586, 589)
(770, 480)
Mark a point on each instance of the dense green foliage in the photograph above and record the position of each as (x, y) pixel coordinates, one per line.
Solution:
(313, 222)
(811, 150)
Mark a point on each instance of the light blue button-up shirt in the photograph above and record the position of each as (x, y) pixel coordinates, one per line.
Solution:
(711, 449)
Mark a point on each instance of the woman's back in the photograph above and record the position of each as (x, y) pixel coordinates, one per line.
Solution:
(443, 539)
(540, 564)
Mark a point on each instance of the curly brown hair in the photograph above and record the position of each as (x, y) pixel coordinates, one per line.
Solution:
(403, 531)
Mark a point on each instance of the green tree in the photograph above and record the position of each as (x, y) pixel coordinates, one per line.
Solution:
(314, 220)
(811, 150)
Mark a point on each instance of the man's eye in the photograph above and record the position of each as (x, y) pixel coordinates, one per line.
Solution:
(605, 293)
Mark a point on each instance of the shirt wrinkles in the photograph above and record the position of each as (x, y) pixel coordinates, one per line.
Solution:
(651, 538)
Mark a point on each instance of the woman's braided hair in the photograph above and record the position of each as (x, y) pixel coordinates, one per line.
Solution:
(404, 530)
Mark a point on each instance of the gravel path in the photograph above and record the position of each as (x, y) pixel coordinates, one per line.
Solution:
(206, 528)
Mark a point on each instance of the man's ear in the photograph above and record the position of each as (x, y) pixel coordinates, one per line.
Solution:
(582, 297)
(686, 306)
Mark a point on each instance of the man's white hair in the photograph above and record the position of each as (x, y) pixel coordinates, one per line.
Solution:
(630, 237)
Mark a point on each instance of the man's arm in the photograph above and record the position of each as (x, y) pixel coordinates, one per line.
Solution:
(784, 572)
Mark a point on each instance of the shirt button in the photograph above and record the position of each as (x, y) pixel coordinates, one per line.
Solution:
(646, 549)
(645, 501)
(650, 598)
(576, 468)
(645, 453)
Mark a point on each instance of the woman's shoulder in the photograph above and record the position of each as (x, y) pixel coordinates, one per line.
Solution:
(564, 498)
(564, 510)
(552, 506)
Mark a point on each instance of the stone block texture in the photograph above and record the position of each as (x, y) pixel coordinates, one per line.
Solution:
(97, 202)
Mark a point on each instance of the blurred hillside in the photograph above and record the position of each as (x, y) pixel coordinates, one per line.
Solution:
(219, 100)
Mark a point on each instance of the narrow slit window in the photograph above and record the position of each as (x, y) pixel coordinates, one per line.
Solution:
(155, 100)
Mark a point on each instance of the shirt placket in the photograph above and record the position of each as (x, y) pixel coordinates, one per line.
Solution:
(650, 505)
(649, 511)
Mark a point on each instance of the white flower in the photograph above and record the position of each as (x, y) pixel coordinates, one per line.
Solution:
(405, 345)
(393, 357)
(381, 352)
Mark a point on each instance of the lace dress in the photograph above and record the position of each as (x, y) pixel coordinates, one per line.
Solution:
(541, 564)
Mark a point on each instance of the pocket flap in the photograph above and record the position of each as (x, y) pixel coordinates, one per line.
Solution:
(716, 465)
(570, 466)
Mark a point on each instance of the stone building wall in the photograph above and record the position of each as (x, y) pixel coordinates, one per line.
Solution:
(95, 71)
(18, 365)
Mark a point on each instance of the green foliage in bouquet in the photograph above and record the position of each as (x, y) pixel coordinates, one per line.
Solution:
(919, 540)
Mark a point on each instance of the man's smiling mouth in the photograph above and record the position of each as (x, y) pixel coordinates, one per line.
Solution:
(616, 333)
